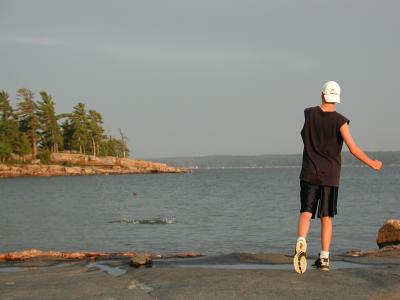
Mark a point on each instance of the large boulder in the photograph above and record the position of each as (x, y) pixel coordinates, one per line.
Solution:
(389, 234)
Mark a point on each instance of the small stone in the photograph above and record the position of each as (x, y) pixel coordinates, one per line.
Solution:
(141, 261)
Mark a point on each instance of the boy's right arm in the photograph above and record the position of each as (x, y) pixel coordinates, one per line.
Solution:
(356, 151)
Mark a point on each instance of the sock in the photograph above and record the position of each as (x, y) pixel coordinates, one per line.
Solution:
(302, 239)
(324, 254)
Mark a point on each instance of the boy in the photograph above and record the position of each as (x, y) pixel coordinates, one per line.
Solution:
(323, 134)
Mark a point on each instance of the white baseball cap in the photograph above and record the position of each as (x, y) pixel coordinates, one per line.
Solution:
(331, 91)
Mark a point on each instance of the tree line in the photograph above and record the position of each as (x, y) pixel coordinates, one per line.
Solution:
(34, 129)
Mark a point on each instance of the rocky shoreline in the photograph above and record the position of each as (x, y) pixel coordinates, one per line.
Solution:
(82, 255)
(67, 164)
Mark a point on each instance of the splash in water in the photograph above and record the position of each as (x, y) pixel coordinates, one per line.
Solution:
(159, 220)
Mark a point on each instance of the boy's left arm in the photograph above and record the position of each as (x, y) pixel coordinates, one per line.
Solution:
(357, 151)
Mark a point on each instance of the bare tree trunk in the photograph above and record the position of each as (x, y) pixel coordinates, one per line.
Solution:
(34, 145)
(54, 145)
(80, 146)
(94, 146)
(123, 143)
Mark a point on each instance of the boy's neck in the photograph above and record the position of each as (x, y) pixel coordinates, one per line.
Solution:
(325, 106)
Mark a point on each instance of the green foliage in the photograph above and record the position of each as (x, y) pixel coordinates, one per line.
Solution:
(113, 147)
(23, 147)
(109, 147)
(67, 133)
(5, 151)
(121, 148)
(9, 132)
(45, 156)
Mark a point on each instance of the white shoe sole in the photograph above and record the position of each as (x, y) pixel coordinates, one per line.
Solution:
(300, 262)
(299, 259)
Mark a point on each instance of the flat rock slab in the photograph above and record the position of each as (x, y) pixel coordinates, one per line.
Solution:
(198, 283)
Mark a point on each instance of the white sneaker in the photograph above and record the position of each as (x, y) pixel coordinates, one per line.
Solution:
(301, 246)
(299, 258)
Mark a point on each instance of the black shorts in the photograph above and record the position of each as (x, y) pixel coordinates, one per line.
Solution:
(318, 196)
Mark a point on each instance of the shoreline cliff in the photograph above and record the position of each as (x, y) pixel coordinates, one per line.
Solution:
(69, 164)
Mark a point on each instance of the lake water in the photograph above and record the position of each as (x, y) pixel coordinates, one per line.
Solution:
(216, 211)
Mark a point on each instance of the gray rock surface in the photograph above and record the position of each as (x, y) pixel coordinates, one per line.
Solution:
(68, 282)
(373, 275)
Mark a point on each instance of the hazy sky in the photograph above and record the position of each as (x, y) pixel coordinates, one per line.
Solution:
(206, 77)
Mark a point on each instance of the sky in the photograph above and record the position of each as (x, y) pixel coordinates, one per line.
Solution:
(193, 78)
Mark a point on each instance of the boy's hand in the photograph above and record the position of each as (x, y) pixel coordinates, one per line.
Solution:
(376, 165)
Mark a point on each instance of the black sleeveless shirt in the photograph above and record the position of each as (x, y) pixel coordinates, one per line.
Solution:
(322, 146)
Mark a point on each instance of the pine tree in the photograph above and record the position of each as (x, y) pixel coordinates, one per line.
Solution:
(28, 118)
(9, 131)
(79, 122)
(67, 133)
(5, 107)
(96, 130)
(50, 130)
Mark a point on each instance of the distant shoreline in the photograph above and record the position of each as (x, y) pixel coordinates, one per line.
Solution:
(267, 160)
(282, 167)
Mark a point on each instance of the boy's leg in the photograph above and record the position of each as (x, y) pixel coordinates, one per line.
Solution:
(299, 258)
(322, 262)
(326, 233)
(304, 224)
(309, 195)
